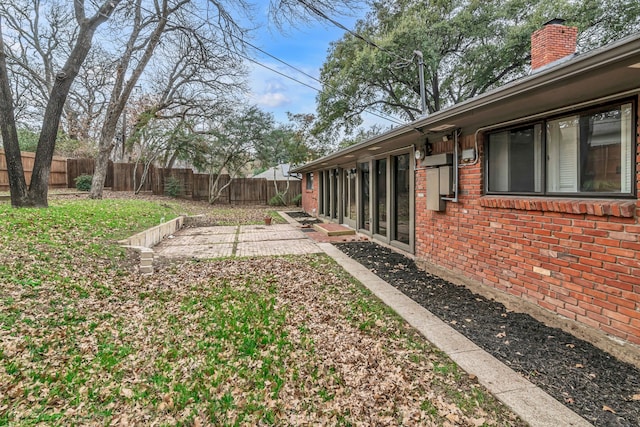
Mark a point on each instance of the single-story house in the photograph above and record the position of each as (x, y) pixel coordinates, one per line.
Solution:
(528, 193)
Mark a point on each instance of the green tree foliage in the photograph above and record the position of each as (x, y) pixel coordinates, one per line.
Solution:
(468, 46)
(28, 140)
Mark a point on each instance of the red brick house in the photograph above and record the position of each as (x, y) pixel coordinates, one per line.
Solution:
(528, 193)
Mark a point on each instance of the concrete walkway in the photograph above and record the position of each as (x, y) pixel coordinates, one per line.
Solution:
(528, 401)
(243, 240)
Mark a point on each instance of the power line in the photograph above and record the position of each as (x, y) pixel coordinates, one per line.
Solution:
(375, 113)
(369, 110)
(353, 33)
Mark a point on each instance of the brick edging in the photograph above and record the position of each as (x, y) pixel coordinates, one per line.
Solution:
(617, 208)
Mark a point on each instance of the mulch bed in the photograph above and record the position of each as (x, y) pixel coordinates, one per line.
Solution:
(591, 382)
(303, 218)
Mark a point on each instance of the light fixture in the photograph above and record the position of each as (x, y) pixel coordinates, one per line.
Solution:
(636, 65)
(374, 148)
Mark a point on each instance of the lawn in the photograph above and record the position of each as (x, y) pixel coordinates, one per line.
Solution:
(84, 340)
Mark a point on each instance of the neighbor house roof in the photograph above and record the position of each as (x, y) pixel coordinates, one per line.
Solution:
(611, 71)
(281, 173)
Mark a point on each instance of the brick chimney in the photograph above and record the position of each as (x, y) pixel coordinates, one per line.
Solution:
(552, 42)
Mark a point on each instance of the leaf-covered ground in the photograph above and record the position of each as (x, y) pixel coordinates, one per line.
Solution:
(84, 340)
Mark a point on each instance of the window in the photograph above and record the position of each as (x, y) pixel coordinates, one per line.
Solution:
(309, 180)
(586, 153)
(364, 196)
(514, 160)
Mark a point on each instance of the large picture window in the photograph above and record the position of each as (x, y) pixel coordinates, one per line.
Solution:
(585, 153)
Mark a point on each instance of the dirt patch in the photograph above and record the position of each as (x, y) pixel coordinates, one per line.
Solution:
(591, 382)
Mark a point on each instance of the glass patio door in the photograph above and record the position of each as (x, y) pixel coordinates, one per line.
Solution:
(401, 199)
(349, 197)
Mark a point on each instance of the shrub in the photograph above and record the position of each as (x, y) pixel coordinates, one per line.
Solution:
(172, 186)
(83, 182)
(277, 200)
(297, 200)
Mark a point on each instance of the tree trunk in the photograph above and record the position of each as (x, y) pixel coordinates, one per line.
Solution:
(122, 89)
(214, 191)
(105, 147)
(17, 182)
(39, 186)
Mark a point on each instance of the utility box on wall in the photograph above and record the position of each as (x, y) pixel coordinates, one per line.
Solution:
(446, 180)
(434, 202)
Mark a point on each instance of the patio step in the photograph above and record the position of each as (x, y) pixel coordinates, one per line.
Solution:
(331, 229)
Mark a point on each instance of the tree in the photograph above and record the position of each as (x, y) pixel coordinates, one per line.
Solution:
(157, 139)
(17, 183)
(468, 46)
(145, 34)
(188, 87)
(148, 21)
(180, 16)
(230, 141)
(36, 194)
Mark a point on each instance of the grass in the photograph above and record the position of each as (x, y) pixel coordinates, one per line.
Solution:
(271, 341)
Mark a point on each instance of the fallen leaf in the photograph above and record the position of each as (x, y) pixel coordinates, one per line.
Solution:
(579, 365)
(608, 409)
(127, 392)
(635, 397)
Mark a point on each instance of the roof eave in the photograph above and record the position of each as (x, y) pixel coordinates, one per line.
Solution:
(626, 48)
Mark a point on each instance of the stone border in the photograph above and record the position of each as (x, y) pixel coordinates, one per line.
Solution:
(147, 239)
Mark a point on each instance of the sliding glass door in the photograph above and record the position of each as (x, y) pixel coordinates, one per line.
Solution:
(365, 209)
(401, 199)
(381, 201)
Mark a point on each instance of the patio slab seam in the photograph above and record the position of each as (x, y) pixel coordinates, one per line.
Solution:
(528, 401)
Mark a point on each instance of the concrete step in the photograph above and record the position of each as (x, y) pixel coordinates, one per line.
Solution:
(331, 229)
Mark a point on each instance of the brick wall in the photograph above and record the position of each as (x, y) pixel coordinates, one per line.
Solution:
(579, 259)
(310, 197)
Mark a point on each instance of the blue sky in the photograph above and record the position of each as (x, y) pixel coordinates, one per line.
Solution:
(305, 48)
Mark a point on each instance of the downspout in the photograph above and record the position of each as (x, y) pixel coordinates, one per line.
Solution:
(456, 170)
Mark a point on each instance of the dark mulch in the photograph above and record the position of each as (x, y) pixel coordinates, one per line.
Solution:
(303, 218)
(586, 379)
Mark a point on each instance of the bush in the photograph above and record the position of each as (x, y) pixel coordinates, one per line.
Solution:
(83, 182)
(172, 186)
(277, 200)
(297, 200)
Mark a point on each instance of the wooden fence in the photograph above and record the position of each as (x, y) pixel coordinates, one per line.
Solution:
(186, 183)
(57, 177)
(241, 191)
(77, 167)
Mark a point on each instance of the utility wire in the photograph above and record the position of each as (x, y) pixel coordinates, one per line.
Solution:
(375, 113)
(353, 33)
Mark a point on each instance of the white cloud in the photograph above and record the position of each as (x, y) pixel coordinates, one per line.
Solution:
(273, 100)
